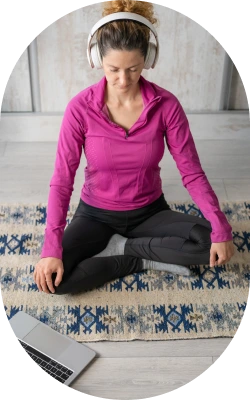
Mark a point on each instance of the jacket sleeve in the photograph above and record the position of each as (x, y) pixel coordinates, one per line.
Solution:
(68, 155)
(181, 145)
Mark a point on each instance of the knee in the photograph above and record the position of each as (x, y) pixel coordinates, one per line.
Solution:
(69, 290)
(201, 235)
(61, 289)
(58, 292)
(69, 286)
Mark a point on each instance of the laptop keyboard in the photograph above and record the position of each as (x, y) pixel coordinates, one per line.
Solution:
(52, 367)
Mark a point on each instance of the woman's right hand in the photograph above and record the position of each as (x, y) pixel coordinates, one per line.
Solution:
(43, 273)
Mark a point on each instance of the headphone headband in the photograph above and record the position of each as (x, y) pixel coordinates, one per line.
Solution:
(117, 16)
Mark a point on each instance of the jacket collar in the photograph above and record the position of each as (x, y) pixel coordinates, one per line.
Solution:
(98, 92)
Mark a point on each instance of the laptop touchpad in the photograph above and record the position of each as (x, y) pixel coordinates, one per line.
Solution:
(47, 341)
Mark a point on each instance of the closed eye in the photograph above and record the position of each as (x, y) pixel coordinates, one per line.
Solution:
(115, 70)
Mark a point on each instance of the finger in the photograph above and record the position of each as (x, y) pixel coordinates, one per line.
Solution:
(212, 259)
(38, 283)
(59, 275)
(50, 283)
(216, 260)
(220, 261)
(43, 284)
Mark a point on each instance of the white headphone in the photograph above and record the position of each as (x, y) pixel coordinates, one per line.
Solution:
(93, 53)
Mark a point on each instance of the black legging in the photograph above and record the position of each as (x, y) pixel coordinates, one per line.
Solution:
(154, 232)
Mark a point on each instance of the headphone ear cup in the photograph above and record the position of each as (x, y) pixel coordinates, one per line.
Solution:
(96, 56)
(150, 57)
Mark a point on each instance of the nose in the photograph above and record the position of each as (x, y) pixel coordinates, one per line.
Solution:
(123, 79)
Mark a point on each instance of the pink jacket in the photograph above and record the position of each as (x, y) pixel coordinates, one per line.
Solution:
(122, 170)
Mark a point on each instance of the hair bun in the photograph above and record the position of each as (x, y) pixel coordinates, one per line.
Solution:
(142, 8)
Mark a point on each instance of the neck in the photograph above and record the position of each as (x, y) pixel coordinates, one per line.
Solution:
(115, 96)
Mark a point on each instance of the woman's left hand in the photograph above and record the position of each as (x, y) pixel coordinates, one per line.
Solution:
(225, 251)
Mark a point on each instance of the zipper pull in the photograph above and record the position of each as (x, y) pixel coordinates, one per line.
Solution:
(126, 136)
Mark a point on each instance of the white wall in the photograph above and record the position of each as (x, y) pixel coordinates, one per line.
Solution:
(191, 64)
(17, 96)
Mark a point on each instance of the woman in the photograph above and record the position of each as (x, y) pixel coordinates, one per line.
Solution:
(123, 223)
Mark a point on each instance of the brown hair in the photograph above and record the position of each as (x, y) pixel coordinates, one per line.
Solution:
(125, 34)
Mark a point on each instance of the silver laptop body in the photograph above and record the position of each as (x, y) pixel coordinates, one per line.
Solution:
(68, 357)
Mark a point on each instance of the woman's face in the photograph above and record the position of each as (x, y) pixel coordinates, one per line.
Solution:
(123, 68)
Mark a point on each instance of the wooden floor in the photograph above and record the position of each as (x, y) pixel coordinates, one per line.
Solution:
(136, 369)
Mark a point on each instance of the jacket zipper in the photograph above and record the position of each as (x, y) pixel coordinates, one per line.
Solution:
(150, 105)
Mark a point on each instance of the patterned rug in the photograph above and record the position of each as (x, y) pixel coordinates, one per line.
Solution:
(150, 305)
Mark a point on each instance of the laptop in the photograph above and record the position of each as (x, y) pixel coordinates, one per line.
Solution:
(57, 354)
